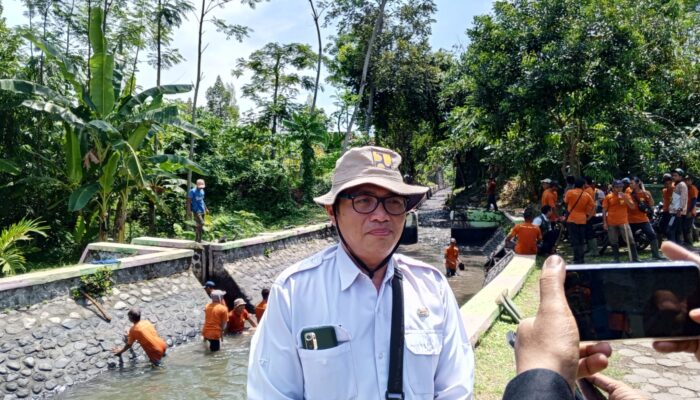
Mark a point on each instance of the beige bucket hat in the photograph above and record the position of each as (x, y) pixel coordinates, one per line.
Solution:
(371, 165)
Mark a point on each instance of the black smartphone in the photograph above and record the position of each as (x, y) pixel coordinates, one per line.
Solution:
(634, 301)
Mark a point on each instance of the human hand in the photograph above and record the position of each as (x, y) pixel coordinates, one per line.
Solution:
(615, 389)
(536, 345)
(678, 253)
(116, 351)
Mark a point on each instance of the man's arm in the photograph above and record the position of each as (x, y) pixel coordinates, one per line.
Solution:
(274, 368)
(118, 352)
(251, 321)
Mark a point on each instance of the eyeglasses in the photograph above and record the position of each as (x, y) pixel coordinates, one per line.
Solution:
(367, 203)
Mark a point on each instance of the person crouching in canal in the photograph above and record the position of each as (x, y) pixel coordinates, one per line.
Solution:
(215, 318)
(451, 258)
(238, 316)
(356, 320)
(145, 334)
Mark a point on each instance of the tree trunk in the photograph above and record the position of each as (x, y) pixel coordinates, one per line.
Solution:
(89, 52)
(45, 18)
(133, 69)
(320, 55)
(196, 90)
(365, 69)
(70, 18)
(159, 28)
(370, 109)
(274, 95)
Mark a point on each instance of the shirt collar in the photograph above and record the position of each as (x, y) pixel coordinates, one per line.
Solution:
(349, 271)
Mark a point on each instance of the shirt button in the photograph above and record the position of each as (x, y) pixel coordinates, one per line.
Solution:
(381, 355)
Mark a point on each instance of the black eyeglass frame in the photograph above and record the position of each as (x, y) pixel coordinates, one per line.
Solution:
(380, 200)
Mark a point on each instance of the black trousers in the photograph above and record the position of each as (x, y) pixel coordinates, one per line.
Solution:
(577, 238)
(549, 239)
(663, 222)
(674, 231)
(214, 345)
(688, 229)
(646, 228)
(491, 200)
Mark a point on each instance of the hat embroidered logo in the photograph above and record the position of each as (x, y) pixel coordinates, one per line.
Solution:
(381, 159)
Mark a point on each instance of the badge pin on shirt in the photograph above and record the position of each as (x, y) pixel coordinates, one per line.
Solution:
(423, 312)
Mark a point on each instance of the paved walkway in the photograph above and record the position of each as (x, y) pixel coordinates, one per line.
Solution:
(661, 376)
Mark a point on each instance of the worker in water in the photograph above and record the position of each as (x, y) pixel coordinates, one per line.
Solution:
(345, 322)
(451, 258)
(145, 334)
(238, 316)
(527, 235)
(262, 306)
(215, 319)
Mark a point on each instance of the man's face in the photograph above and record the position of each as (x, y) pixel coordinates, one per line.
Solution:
(617, 189)
(200, 184)
(676, 177)
(370, 236)
(688, 181)
(545, 186)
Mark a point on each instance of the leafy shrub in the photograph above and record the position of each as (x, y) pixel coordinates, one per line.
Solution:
(96, 285)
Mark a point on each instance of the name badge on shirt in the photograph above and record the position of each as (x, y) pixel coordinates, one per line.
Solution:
(423, 312)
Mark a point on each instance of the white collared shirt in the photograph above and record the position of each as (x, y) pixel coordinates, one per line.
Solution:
(329, 289)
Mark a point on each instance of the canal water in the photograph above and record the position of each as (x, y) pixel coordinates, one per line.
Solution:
(191, 372)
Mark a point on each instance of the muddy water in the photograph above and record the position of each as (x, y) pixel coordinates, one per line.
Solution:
(191, 372)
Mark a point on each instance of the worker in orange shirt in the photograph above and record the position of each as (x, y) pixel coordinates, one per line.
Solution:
(262, 306)
(145, 334)
(690, 214)
(527, 235)
(215, 318)
(238, 316)
(616, 206)
(580, 209)
(638, 215)
(549, 197)
(451, 258)
(666, 193)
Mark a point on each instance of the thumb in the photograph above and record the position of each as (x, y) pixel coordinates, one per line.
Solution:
(552, 298)
(695, 315)
(609, 385)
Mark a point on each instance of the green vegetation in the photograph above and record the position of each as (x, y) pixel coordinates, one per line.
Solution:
(12, 255)
(96, 285)
(545, 87)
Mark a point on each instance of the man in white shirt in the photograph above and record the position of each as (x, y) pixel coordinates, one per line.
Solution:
(678, 207)
(348, 288)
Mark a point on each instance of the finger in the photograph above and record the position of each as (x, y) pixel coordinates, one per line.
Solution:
(591, 364)
(688, 346)
(678, 253)
(552, 298)
(609, 385)
(590, 349)
(695, 315)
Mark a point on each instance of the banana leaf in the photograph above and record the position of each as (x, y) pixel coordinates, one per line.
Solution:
(54, 109)
(183, 162)
(81, 196)
(30, 88)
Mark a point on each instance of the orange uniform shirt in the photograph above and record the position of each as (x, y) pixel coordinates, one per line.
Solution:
(617, 209)
(260, 309)
(549, 198)
(145, 333)
(584, 206)
(451, 256)
(527, 235)
(692, 193)
(667, 194)
(215, 314)
(637, 216)
(236, 321)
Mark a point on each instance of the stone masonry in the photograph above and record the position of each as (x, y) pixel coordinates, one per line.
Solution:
(49, 346)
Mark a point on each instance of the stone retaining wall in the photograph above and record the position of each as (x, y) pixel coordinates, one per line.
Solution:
(49, 346)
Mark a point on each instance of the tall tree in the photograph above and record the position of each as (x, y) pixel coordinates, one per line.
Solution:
(273, 86)
(168, 17)
(316, 16)
(221, 100)
(231, 30)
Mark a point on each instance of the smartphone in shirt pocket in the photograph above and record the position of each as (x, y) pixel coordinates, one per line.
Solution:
(319, 338)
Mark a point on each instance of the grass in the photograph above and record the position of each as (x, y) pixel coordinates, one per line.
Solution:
(495, 359)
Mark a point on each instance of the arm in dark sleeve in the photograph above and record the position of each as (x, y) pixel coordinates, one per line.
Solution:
(538, 384)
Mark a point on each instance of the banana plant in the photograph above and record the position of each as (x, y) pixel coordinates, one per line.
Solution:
(105, 125)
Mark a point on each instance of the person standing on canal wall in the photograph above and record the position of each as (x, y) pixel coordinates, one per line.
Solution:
(196, 207)
(451, 258)
(334, 318)
(491, 194)
(215, 318)
(145, 334)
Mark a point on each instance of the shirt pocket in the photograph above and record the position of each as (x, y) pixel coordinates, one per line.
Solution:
(422, 355)
(328, 373)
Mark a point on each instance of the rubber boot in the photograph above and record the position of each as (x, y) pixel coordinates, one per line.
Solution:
(592, 246)
(655, 250)
(616, 252)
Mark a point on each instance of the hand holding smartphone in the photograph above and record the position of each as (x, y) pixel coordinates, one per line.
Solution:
(634, 301)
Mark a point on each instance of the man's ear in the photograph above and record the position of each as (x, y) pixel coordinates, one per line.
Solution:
(331, 214)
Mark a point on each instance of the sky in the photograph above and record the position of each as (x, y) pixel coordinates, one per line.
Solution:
(283, 21)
